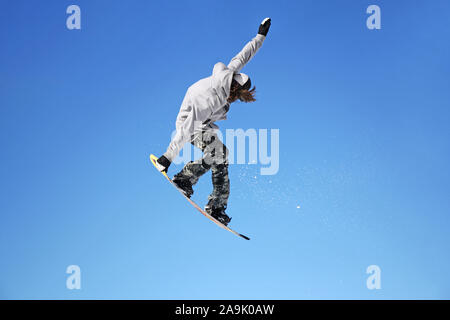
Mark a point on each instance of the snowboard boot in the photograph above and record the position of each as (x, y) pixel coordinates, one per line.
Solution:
(183, 184)
(218, 213)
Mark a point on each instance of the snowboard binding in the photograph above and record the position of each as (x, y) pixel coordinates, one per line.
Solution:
(184, 185)
(218, 213)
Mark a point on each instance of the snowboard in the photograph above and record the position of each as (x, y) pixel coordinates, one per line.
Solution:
(203, 212)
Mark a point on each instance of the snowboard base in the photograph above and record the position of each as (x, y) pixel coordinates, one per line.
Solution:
(153, 161)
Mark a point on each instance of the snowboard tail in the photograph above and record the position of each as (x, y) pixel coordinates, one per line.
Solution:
(153, 160)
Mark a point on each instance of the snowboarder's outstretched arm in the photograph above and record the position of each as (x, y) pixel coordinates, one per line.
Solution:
(250, 49)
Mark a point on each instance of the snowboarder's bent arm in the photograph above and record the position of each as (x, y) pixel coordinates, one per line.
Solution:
(250, 49)
(183, 134)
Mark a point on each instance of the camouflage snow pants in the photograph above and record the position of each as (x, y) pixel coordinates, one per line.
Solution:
(215, 155)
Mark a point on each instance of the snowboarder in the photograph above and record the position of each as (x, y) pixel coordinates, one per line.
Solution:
(206, 101)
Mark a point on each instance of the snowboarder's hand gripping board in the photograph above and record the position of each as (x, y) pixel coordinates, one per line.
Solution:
(161, 165)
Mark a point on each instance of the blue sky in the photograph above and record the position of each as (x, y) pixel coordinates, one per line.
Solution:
(364, 151)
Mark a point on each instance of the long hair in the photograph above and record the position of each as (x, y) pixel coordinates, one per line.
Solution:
(237, 92)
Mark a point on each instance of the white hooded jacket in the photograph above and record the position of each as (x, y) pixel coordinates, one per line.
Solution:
(206, 100)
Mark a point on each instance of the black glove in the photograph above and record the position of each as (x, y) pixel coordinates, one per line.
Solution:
(163, 161)
(264, 27)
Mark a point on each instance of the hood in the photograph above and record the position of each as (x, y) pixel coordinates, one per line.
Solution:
(221, 80)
